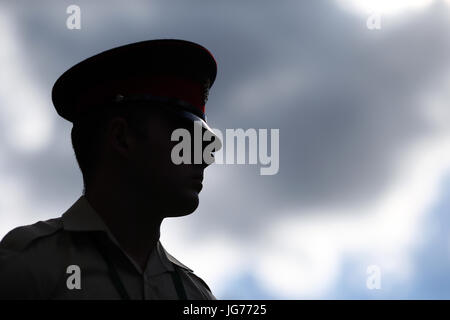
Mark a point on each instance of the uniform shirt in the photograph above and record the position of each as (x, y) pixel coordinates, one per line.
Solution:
(58, 259)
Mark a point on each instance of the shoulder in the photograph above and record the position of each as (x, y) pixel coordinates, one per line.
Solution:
(203, 284)
(25, 255)
(197, 288)
(20, 238)
(196, 285)
(16, 277)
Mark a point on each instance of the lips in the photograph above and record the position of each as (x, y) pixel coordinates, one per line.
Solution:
(197, 183)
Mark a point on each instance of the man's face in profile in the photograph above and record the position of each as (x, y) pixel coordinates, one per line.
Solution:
(176, 188)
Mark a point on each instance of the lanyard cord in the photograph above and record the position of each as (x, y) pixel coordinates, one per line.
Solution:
(113, 274)
(176, 278)
(118, 284)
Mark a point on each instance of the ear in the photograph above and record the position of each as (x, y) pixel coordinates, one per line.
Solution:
(119, 136)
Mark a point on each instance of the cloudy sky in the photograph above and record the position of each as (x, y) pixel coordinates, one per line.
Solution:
(363, 114)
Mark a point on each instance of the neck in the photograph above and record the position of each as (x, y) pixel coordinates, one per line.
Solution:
(133, 222)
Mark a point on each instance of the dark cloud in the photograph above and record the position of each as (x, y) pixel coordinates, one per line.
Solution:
(344, 123)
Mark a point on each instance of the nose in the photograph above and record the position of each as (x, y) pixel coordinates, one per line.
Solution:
(208, 157)
(208, 161)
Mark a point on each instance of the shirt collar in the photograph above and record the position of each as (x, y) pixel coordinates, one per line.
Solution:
(168, 258)
(81, 216)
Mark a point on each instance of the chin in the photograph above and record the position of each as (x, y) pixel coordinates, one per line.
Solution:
(184, 204)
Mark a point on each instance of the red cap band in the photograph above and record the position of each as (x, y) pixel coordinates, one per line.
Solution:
(168, 86)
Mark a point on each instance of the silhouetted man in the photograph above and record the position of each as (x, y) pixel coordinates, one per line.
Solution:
(124, 103)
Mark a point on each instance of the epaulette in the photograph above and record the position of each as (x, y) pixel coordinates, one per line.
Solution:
(21, 237)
